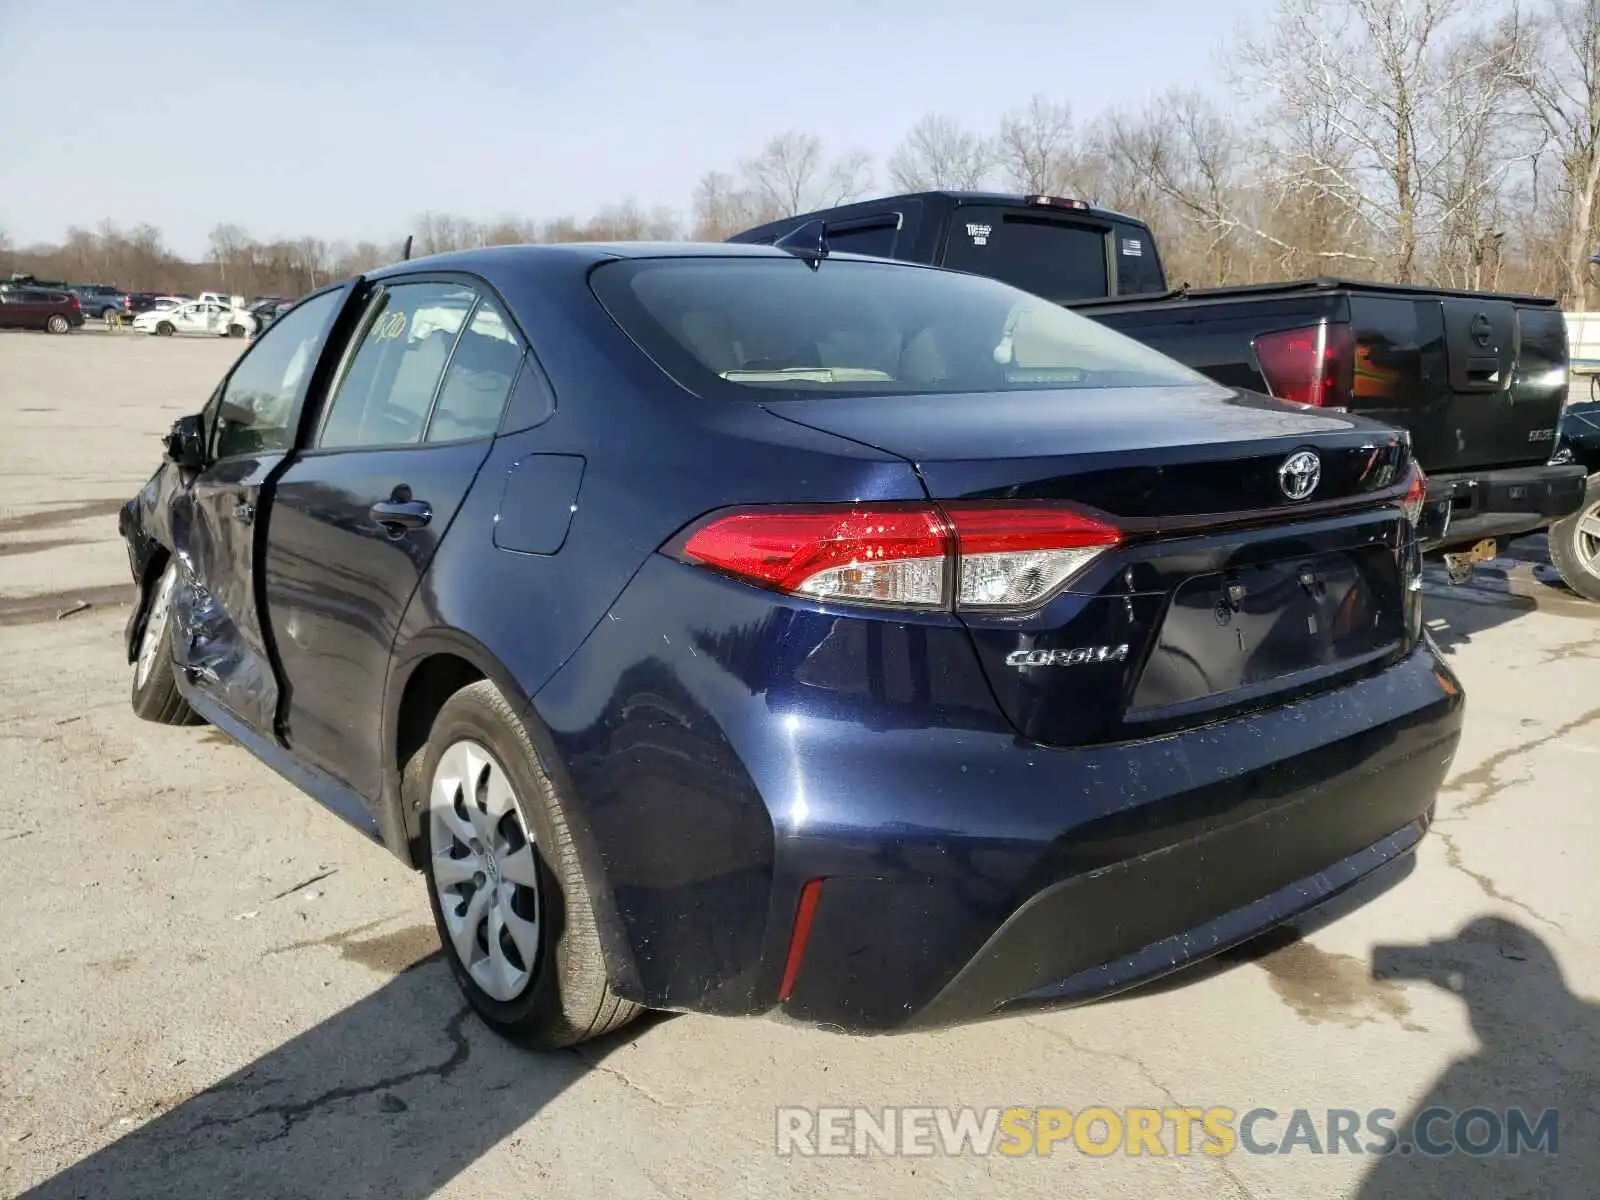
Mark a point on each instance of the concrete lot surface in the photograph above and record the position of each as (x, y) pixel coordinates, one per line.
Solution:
(210, 987)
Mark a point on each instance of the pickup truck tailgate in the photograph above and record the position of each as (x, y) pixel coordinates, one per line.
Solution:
(1479, 381)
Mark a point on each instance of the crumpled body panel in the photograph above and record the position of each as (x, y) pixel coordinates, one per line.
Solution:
(214, 645)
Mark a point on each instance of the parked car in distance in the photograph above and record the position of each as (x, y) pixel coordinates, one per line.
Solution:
(26, 279)
(135, 303)
(267, 309)
(719, 628)
(1477, 379)
(195, 316)
(99, 300)
(37, 308)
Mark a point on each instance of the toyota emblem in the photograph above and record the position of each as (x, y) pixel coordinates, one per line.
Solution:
(1482, 331)
(1300, 474)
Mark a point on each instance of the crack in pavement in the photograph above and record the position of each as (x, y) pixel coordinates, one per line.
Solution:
(291, 1113)
(1139, 1065)
(1452, 856)
(1481, 777)
(1580, 649)
(618, 1074)
(304, 883)
(595, 1065)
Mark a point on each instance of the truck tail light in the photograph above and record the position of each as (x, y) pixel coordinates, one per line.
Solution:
(996, 557)
(1315, 365)
(1416, 494)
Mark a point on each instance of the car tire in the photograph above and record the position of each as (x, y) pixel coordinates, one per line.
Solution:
(57, 324)
(164, 329)
(527, 956)
(155, 682)
(236, 331)
(1574, 550)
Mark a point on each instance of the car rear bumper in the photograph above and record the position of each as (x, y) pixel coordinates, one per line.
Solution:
(1223, 843)
(1504, 503)
(729, 752)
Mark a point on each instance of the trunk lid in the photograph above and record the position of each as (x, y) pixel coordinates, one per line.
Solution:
(1224, 593)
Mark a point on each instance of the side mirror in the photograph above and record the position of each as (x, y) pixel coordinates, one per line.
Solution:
(185, 443)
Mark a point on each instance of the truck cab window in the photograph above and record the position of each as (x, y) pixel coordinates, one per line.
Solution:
(1050, 256)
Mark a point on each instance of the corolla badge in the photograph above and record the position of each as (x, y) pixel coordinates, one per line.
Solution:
(1067, 658)
(1300, 474)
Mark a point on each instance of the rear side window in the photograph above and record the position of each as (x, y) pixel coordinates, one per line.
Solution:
(1050, 256)
(258, 402)
(1138, 266)
(876, 240)
(479, 378)
(387, 388)
(745, 328)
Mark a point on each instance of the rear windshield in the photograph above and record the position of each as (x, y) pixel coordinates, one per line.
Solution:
(1052, 255)
(747, 327)
(1045, 255)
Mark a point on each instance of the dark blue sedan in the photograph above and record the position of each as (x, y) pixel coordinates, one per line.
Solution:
(757, 631)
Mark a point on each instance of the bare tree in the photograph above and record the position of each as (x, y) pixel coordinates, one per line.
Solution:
(939, 153)
(793, 175)
(1035, 150)
(510, 231)
(1376, 73)
(1181, 156)
(720, 208)
(233, 252)
(1562, 82)
(627, 222)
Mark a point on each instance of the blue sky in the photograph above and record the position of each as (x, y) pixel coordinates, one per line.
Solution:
(343, 118)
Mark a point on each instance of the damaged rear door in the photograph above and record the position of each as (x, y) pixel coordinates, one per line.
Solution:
(219, 640)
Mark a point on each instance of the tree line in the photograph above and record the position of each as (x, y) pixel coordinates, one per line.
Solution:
(1447, 142)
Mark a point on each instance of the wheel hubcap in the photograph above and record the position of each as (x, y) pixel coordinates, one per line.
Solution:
(155, 626)
(484, 870)
(1588, 539)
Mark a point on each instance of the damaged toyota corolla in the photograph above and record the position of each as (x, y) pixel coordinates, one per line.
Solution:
(758, 630)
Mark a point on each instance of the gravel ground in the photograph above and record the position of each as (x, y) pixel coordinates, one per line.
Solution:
(210, 987)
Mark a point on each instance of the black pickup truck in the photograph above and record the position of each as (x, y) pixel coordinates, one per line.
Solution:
(1479, 380)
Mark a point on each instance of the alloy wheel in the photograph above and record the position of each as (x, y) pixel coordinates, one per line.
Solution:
(484, 870)
(1587, 539)
(155, 626)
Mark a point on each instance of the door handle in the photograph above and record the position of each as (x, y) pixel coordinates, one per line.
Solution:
(397, 516)
(244, 512)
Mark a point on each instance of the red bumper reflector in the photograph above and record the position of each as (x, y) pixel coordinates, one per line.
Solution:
(806, 910)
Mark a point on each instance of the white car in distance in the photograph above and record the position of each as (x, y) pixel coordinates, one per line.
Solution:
(212, 317)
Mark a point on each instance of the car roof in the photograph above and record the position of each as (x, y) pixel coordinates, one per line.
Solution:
(488, 260)
(852, 209)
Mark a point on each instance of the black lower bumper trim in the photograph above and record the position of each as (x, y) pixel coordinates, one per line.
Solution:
(1505, 503)
(1095, 934)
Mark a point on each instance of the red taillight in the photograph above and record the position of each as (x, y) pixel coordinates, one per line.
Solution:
(1416, 494)
(993, 556)
(73, 301)
(804, 914)
(887, 554)
(1308, 366)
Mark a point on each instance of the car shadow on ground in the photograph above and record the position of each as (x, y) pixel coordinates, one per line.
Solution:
(393, 1096)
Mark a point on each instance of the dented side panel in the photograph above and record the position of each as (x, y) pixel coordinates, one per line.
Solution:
(223, 647)
(209, 524)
